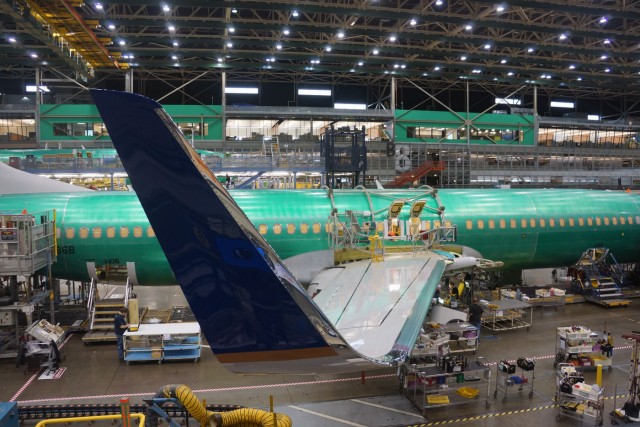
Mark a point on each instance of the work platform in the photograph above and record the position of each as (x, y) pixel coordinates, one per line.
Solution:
(93, 375)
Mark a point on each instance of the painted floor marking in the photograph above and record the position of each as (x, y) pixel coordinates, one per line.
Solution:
(387, 408)
(329, 417)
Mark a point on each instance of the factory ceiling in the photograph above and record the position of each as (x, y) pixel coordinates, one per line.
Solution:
(570, 47)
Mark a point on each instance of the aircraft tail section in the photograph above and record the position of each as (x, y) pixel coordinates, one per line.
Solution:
(255, 315)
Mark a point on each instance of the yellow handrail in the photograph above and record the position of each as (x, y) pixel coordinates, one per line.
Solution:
(43, 423)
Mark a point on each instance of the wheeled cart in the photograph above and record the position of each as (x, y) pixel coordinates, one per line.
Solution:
(431, 387)
(580, 346)
(580, 401)
(163, 341)
(508, 380)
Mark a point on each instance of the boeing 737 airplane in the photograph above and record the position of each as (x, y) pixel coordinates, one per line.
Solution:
(240, 257)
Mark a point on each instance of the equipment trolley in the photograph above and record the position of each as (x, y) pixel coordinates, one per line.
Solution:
(581, 346)
(431, 387)
(507, 314)
(507, 378)
(580, 401)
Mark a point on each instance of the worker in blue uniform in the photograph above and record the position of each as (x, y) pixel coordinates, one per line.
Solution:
(120, 326)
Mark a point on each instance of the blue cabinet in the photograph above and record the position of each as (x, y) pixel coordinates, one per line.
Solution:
(163, 341)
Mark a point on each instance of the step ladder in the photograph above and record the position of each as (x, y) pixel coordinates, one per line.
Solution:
(101, 313)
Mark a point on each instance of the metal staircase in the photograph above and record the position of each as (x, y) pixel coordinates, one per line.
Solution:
(416, 174)
(597, 276)
(101, 313)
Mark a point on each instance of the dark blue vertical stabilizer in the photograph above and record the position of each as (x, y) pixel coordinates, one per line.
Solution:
(253, 312)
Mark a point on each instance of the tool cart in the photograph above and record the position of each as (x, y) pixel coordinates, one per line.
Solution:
(580, 401)
(580, 346)
(507, 379)
(454, 382)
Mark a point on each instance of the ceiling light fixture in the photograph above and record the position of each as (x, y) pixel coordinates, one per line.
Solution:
(340, 34)
(375, 51)
(468, 27)
(295, 14)
(413, 22)
(111, 27)
(503, 61)
(171, 28)
(165, 8)
(392, 38)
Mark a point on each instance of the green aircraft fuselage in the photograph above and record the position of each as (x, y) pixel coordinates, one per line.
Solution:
(522, 228)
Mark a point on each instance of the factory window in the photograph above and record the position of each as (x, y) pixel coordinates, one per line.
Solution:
(572, 222)
(316, 227)
(69, 232)
(150, 232)
(83, 232)
(614, 220)
(503, 223)
(581, 222)
(124, 232)
(606, 220)
(111, 232)
(552, 222)
(291, 228)
(277, 228)
(492, 224)
(304, 228)
(598, 221)
(532, 223)
(480, 224)
(262, 228)
(561, 221)
(469, 224)
(512, 223)
(589, 221)
(137, 231)
(542, 222)
(97, 232)
(623, 220)
(523, 223)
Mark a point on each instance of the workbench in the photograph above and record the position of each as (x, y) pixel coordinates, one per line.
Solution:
(506, 314)
(163, 341)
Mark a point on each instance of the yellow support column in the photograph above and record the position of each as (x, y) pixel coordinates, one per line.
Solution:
(599, 375)
(377, 253)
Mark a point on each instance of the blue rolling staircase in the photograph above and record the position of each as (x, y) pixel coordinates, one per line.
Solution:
(597, 276)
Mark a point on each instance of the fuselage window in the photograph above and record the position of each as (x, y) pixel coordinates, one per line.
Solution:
(523, 223)
(581, 222)
(606, 220)
(111, 232)
(291, 228)
(589, 221)
(503, 223)
(630, 220)
(124, 232)
(552, 222)
(137, 231)
(532, 222)
(277, 228)
(97, 232)
(262, 228)
(480, 224)
(572, 222)
(561, 221)
(447, 223)
(427, 225)
(512, 223)
(623, 220)
(379, 227)
(542, 222)
(316, 227)
(436, 224)
(304, 228)
(469, 224)
(638, 220)
(614, 220)
(598, 221)
(492, 224)
(58, 232)
(69, 232)
(150, 232)
(83, 232)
